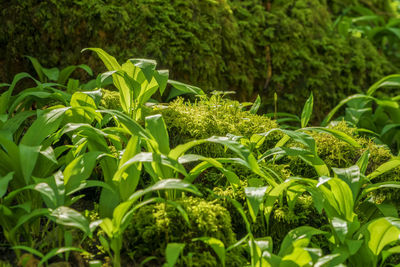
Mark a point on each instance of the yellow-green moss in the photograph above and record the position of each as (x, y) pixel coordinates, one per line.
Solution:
(215, 116)
(154, 226)
(110, 99)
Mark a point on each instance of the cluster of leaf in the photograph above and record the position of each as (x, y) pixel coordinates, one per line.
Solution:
(53, 153)
(332, 171)
(374, 113)
(78, 178)
(251, 46)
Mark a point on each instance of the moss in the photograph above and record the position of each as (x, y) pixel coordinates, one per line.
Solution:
(251, 46)
(215, 116)
(164, 223)
(110, 99)
(307, 55)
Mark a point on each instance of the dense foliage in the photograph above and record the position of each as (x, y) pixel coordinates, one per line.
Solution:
(90, 175)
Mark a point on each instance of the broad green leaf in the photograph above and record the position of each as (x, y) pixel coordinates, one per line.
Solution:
(57, 251)
(131, 85)
(207, 163)
(132, 126)
(72, 86)
(381, 232)
(52, 73)
(150, 158)
(112, 65)
(254, 108)
(156, 126)
(305, 155)
(109, 61)
(80, 169)
(147, 66)
(38, 67)
(242, 151)
(388, 81)
(5, 97)
(80, 99)
(28, 157)
(338, 197)
(298, 257)
(48, 194)
(95, 94)
(83, 109)
(172, 253)
(181, 88)
(92, 183)
(298, 237)
(109, 200)
(161, 77)
(67, 71)
(49, 154)
(336, 133)
(354, 245)
(343, 102)
(4, 183)
(388, 252)
(108, 227)
(373, 187)
(26, 95)
(148, 89)
(385, 167)
(330, 260)
(216, 245)
(352, 177)
(302, 138)
(341, 228)
(307, 111)
(179, 150)
(69, 217)
(255, 197)
(10, 158)
(46, 124)
(13, 124)
(130, 176)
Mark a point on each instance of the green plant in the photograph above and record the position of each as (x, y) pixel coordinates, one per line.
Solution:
(114, 228)
(187, 221)
(54, 252)
(137, 80)
(61, 77)
(377, 117)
